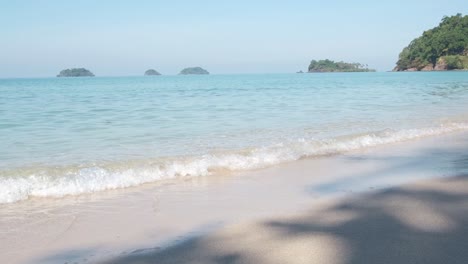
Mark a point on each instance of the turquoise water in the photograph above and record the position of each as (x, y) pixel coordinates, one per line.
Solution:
(63, 136)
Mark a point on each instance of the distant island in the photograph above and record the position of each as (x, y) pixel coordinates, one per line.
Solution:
(442, 48)
(331, 66)
(151, 72)
(193, 70)
(75, 72)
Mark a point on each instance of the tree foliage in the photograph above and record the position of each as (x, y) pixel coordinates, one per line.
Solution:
(331, 66)
(75, 72)
(193, 70)
(151, 72)
(449, 38)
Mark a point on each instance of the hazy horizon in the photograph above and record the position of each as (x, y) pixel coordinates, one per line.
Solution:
(118, 38)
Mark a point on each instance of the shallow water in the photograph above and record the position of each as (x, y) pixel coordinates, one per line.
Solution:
(62, 136)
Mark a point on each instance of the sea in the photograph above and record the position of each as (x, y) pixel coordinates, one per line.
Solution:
(71, 136)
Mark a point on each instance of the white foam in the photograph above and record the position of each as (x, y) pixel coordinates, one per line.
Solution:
(73, 181)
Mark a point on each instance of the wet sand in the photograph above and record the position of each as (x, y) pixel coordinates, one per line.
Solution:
(401, 203)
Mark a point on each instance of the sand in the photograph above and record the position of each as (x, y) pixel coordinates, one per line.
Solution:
(421, 223)
(401, 203)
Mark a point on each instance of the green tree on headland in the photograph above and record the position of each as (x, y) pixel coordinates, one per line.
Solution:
(331, 66)
(444, 47)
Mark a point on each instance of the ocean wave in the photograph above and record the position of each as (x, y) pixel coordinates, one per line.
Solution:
(21, 184)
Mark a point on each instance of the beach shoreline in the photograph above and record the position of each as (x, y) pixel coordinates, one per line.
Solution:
(235, 218)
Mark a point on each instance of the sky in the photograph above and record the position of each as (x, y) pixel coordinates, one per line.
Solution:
(38, 38)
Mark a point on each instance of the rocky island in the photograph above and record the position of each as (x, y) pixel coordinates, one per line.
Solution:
(193, 70)
(151, 72)
(75, 72)
(442, 48)
(331, 66)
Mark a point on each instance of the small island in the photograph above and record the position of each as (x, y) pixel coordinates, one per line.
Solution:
(442, 48)
(194, 70)
(75, 72)
(331, 66)
(151, 72)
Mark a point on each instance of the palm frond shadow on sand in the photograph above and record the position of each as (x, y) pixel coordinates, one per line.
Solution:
(409, 224)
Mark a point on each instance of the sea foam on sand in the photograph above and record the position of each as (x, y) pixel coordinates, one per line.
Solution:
(24, 183)
(309, 211)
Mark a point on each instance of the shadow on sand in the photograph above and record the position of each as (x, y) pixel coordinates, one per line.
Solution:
(425, 223)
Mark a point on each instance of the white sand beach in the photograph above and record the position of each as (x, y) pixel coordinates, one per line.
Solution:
(400, 203)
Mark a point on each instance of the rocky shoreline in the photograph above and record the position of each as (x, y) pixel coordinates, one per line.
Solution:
(441, 65)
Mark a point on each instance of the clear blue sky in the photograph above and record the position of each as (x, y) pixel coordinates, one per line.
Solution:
(113, 38)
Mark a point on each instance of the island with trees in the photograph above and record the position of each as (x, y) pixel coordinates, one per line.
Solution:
(151, 72)
(444, 47)
(75, 72)
(331, 66)
(193, 70)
